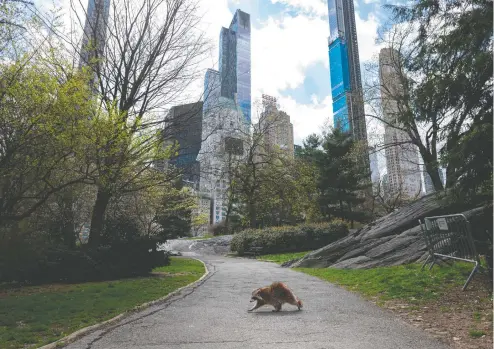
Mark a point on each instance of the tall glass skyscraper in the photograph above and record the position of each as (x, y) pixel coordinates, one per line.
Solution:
(212, 91)
(235, 62)
(226, 111)
(93, 40)
(344, 64)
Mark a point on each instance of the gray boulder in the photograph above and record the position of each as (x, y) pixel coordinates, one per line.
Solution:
(391, 240)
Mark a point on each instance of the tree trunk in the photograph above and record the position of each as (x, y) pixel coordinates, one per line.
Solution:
(450, 176)
(98, 217)
(433, 172)
(252, 215)
(68, 226)
(431, 167)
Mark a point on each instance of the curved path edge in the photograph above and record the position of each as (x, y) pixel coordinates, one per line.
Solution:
(87, 330)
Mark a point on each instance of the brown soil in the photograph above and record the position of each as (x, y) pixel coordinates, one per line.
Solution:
(462, 319)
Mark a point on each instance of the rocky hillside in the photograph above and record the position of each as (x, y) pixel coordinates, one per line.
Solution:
(392, 240)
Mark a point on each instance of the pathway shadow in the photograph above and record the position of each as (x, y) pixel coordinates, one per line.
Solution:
(280, 313)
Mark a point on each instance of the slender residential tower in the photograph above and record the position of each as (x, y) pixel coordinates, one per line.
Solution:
(94, 37)
(402, 157)
(344, 65)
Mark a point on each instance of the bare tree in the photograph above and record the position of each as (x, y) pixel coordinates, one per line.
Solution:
(392, 98)
(390, 200)
(151, 52)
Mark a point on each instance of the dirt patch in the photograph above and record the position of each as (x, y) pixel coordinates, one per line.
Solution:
(462, 319)
(11, 290)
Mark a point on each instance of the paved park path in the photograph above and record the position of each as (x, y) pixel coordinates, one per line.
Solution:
(213, 315)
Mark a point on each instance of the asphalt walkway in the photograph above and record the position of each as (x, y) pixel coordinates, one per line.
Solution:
(213, 315)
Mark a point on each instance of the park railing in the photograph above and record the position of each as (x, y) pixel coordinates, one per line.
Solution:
(450, 237)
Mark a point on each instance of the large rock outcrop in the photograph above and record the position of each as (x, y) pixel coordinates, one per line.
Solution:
(391, 240)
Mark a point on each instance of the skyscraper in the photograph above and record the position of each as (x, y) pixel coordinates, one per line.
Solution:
(226, 112)
(276, 128)
(344, 65)
(183, 125)
(212, 91)
(402, 158)
(222, 143)
(235, 62)
(94, 36)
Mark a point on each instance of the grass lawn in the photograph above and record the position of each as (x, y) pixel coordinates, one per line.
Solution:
(432, 300)
(397, 282)
(42, 314)
(281, 258)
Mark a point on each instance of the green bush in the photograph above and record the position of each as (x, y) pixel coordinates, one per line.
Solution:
(289, 238)
(33, 265)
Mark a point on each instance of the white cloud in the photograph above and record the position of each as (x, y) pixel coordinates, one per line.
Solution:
(366, 36)
(307, 118)
(316, 7)
(283, 49)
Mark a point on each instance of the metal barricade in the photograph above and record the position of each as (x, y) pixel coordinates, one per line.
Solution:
(450, 237)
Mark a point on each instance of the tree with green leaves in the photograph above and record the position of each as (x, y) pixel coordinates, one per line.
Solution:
(342, 178)
(174, 214)
(42, 126)
(151, 50)
(444, 69)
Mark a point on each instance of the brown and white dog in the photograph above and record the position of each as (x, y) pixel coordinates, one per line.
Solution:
(276, 295)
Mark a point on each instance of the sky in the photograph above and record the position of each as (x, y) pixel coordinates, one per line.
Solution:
(289, 52)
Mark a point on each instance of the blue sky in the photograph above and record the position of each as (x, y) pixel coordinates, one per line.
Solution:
(290, 56)
(289, 52)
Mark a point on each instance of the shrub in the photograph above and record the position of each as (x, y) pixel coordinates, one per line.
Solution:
(289, 238)
(58, 264)
(221, 228)
(218, 229)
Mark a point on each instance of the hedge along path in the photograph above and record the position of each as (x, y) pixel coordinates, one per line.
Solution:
(304, 237)
(112, 323)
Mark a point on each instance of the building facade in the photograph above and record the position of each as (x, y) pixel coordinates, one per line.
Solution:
(224, 135)
(344, 64)
(183, 127)
(235, 62)
(226, 113)
(402, 157)
(94, 35)
(212, 91)
(275, 128)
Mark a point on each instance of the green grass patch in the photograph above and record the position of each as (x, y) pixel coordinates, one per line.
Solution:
(476, 333)
(42, 314)
(282, 258)
(405, 282)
